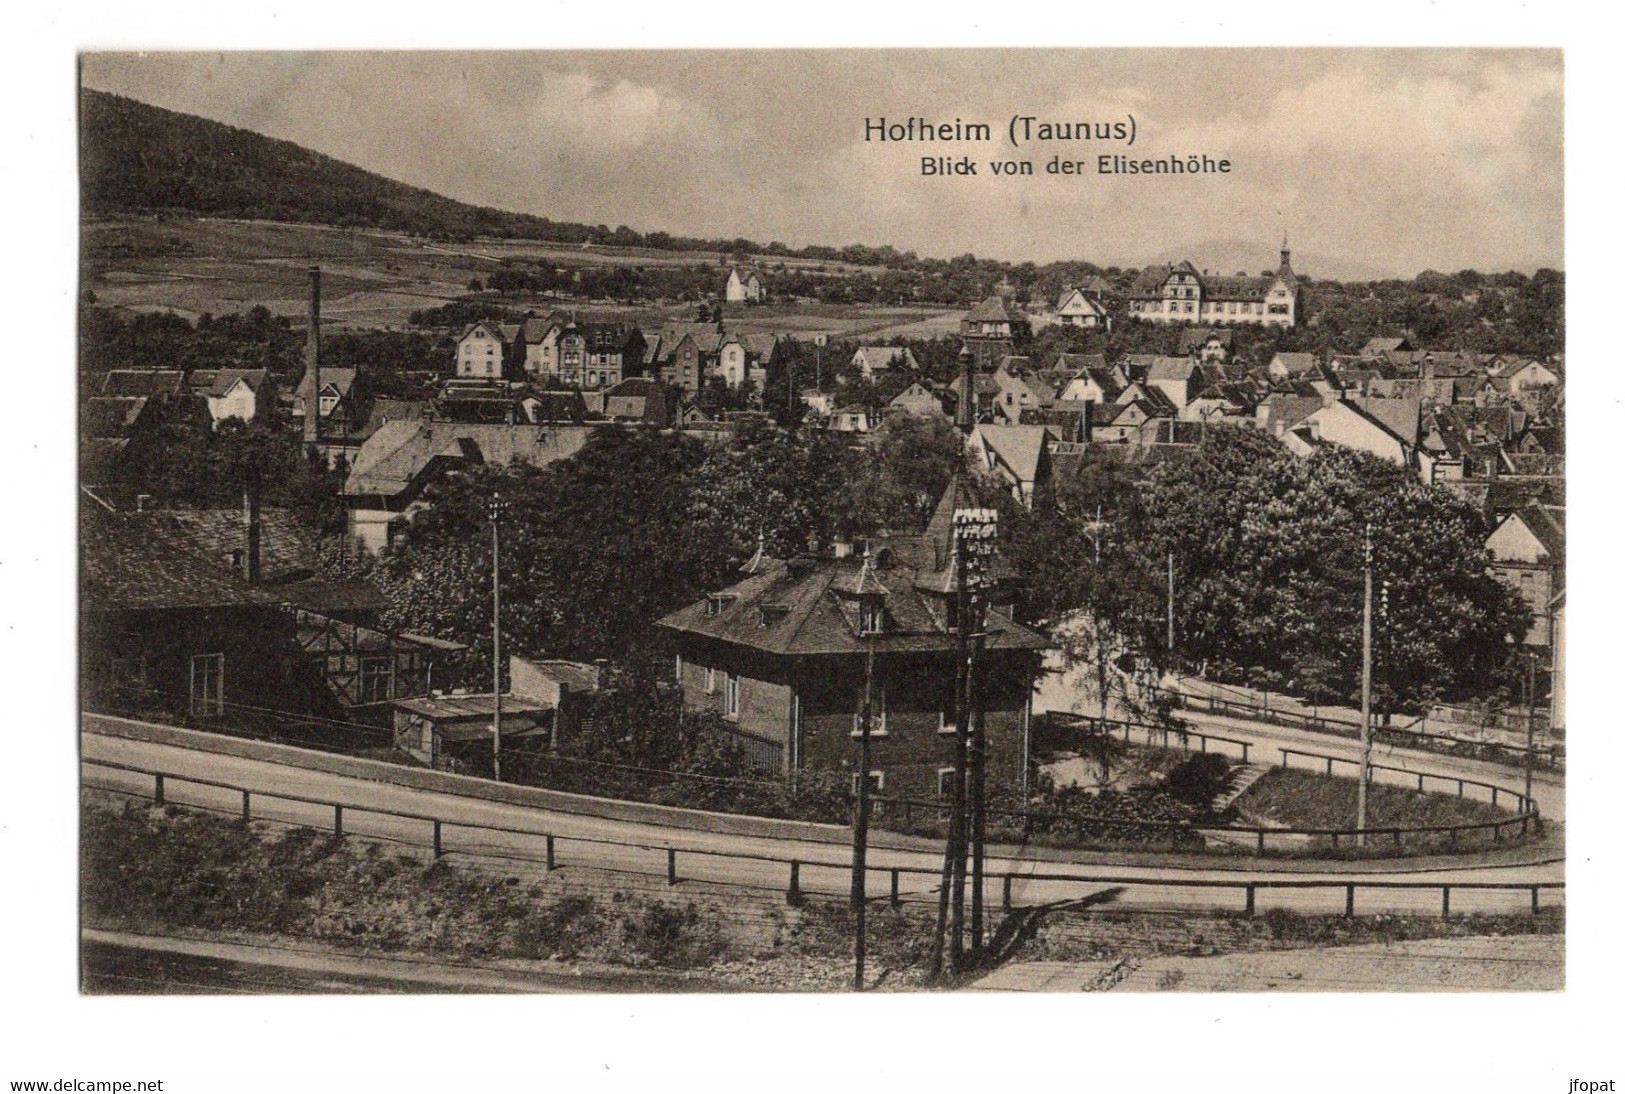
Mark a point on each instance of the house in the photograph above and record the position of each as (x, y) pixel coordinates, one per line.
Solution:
(1387, 347)
(171, 633)
(336, 421)
(780, 654)
(872, 359)
(1285, 367)
(744, 286)
(987, 390)
(486, 351)
(1081, 307)
(453, 731)
(1206, 345)
(396, 466)
(1181, 294)
(641, 400)
(990, 330)
(143, 383)
(1368, 425)
(1017, 455)
(1178, 378)
(916, 399)
(1527, 553)
(851, 419)
(1137, 421)
(1019, 390)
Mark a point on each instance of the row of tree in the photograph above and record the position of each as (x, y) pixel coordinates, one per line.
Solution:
(1267, 556)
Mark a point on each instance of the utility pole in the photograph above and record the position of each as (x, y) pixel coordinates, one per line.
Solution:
(498, 506)
(860, 813)
(1529, 752)
(1365, 694)
(950, 851)
(1170, 610)
(978, 760)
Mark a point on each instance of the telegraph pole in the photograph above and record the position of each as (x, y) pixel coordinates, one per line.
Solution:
(1529, 752)
(1365, 694)
(978, 758)
(860, 815)
(497, 508)
(1170, 611)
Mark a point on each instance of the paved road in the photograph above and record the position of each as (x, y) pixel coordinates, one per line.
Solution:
(1518, 963)
(727, 859)
(1548, 786)
(121, 963)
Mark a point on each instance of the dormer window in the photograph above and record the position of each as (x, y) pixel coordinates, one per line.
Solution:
(871, 615)
(715, 602)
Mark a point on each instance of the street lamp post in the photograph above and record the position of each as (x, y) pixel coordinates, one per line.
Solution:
(498, 508)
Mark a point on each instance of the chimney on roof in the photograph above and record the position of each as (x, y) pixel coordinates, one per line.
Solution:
(313, 359)
(251, 532)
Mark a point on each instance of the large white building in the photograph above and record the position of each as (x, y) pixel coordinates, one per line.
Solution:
(1182, 294)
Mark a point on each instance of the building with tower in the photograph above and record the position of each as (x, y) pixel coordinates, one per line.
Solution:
(1182, 294)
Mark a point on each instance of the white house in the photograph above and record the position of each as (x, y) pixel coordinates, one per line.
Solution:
(482, 351)
(872, 359)
(239, 393)
(744, 287)
(1078, 308)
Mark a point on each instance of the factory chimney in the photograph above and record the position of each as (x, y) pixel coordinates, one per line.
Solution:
(313, 361)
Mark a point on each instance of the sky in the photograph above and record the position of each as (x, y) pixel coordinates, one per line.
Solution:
(1371, 161)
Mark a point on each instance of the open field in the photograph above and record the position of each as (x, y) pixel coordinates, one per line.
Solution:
(377, 279)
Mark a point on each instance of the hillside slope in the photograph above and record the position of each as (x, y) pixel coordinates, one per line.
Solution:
(136, 158)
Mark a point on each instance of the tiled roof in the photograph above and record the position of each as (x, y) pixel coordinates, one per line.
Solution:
(111, 417)
(287, 548)
(991, 310)
(146, 381)
(392, 458)
(125, 567)
(806, 612)
(225, 379)
(1018, 447)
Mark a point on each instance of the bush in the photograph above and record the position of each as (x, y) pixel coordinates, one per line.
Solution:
(1198, 779)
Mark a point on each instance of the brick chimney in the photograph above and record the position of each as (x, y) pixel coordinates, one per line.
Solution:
(313, 360)
(251, 533)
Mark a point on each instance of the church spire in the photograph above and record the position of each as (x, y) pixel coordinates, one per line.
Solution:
(1286, 255)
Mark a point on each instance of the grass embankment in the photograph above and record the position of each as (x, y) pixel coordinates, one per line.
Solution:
(169, 870)
(1307, 800)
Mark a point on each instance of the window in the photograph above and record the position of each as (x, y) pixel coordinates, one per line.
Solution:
(208, 685)
(877, 782)
(871, 614)
(710, 680)
(946, 722)
(377, 674)
(878, 727)
(945, 782)
(730, 697)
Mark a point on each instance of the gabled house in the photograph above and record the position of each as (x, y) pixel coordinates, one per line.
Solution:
(1176, 377)
(872, 359)
(1527, 552)
(486, 351)
(1367, 425)
(1206, 345)
(396, 467)
(780, 655)
(1182, 294)
(744, 286)
(916, 399)
(1017, 455)
(1081, 308)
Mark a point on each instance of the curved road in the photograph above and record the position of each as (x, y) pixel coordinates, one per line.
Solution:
(762, 862)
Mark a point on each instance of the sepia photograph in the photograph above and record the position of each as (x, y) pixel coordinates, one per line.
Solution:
(837, 521)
